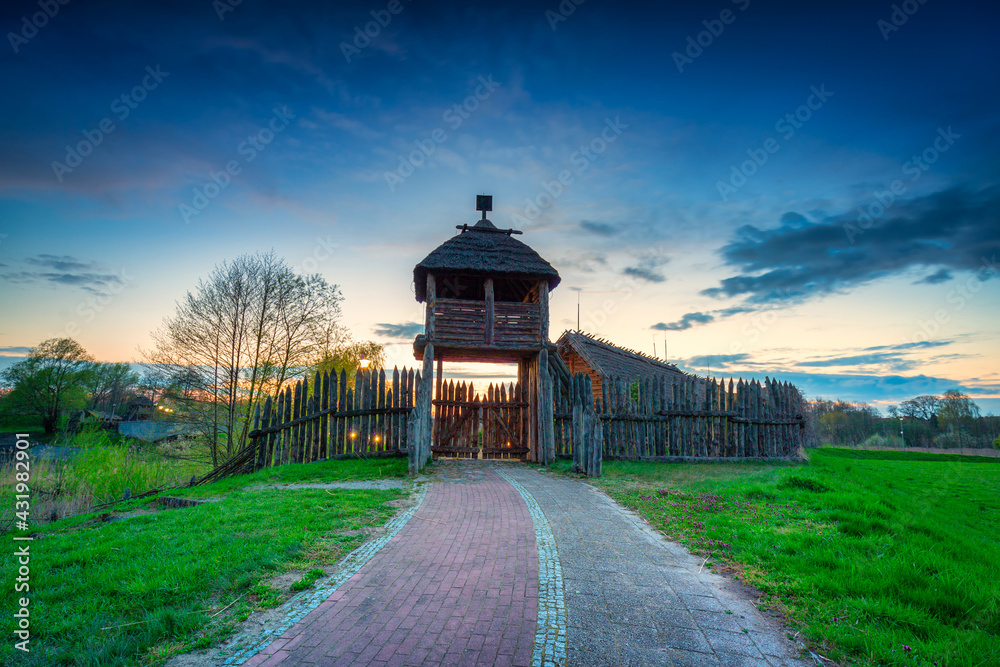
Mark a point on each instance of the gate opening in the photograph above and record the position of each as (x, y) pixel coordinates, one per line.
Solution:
(481, 419)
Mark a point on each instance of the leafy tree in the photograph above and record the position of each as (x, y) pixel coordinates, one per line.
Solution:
(957, 414)
(922, 407)
(346, 355)
(245, 331)
(52, 379)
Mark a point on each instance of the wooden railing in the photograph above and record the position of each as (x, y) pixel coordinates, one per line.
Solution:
(459, 322)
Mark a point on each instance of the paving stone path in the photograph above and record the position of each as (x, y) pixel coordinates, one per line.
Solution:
(460, 584)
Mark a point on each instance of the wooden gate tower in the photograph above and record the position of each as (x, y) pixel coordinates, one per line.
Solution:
(487, 300)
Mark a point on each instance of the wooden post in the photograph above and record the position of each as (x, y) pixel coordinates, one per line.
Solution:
(532, 382)
(488, 334)
(413, 423)
(543, 311)
(576, 427)
(546, 423)
(431, 301)
(427, 380)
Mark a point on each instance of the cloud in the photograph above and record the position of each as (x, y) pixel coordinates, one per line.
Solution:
(600, 228)
(956, 229)
(910, 346)
(14, 350)
(587, 262)
(66, 271)
(401, 330)
(649, 275)
(943, 275)
(686, 322)
(646, 269)
(716, 360)
(892, 359)
(59, 262)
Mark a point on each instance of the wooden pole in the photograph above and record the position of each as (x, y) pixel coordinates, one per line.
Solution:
(488, 333)
(427, 380)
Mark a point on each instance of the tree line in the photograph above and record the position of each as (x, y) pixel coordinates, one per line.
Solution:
(248, 329)
(952, 420)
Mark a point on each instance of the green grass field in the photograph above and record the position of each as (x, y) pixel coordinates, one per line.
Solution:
(879, 558)
(138, 590)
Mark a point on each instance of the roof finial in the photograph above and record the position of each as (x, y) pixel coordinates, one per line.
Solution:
(484, 203)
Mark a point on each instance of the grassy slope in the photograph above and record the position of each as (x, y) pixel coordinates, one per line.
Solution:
(137, 590)
(882, 558)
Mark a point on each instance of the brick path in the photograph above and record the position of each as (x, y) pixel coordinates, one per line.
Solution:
(457, 585)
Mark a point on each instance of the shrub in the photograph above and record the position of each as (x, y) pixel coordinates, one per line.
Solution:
(876, 441)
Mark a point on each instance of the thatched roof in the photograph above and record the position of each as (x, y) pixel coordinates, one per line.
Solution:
(610, 360)
(484, 250)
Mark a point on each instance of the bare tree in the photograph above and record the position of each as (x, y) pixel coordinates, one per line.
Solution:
(110, 386)
(243, 333)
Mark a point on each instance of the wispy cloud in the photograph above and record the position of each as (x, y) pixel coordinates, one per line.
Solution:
(400, 330)
(600, 228)
(686, 322)
(65, 271)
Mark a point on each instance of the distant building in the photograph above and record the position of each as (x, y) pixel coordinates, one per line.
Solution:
(139, 408)
(92, 418)
(583, 353)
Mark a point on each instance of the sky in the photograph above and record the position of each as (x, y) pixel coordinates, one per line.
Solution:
(801, 190)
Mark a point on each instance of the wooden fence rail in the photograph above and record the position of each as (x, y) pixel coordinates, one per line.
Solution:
(664, 418)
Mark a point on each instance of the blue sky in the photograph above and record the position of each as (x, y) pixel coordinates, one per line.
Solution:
(772, 189)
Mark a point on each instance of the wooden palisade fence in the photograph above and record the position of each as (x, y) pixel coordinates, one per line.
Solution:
(329, 418)
(665, 419)
(649, 419)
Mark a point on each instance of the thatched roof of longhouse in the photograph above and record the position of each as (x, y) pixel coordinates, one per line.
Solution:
(610, 360)
(484, 250)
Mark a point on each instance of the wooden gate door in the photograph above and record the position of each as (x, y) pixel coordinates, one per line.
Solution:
(470, 426)
(505, 423)
(456, 422)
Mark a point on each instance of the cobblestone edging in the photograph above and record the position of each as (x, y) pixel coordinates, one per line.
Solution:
(300, 605)
(550, 636)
